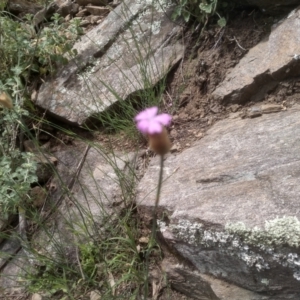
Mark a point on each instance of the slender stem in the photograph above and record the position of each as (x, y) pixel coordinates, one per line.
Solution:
(157, 198)
(154, 225)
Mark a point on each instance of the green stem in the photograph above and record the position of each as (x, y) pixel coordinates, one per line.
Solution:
(157, 198)
(154, 225)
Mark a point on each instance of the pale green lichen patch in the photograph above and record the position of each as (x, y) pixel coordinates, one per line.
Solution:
(155, 27)
(159, 5)
(263, 249)
(280, 232)
(265, 281)
(187, 231)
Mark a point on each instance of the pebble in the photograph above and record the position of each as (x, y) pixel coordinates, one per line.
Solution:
(199, 135)
(36, 297)
(95, 295)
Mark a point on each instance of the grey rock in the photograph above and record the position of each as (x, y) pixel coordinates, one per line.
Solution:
(4, 222)
(96, 19)
(45, 14)
(11, 274)
(271, 108)
(93, 2)
(258, 110)
(36, 296)
(97, 10)
(95, 295)
(188, 282)
(253, 112)
(82, 13)
(202, 286)
(132, 49)
(265, 65)
(273, 7)
(230, 203)
(85, 23)
(68, 18)
(9, 249)
(67, 7)
(227, 291)
(94, 199)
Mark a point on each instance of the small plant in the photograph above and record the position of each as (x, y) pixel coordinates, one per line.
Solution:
(201, 10)
(2, 5)
(25, 52)
(17, 173)
(90, 255)
(51, 279)
(17, 169)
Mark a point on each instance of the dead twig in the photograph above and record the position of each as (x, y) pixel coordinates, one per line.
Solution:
(221, 31)
(234, 39)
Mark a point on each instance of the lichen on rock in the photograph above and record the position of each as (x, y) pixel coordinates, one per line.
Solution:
(280, 232)
(240, 253)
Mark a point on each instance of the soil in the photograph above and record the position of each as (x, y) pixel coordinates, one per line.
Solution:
(204, 67)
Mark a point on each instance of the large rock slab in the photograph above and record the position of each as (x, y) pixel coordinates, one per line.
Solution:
(132, 49)
(204, 287)
(88, 192)
(188, 282)
(4, 223)
(274, 59)
(11, 284)
(230, 204)
(273, 7)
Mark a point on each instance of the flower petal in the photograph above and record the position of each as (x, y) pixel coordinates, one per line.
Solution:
(143, 126)
(148, 113)
(164, 119)
(154, 127)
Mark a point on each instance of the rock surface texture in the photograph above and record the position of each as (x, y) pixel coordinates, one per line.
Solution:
(273, 7)
(230, 203)
(96, 198)
(95, 180)
(114, 60)
(265, 65)
(22, 7)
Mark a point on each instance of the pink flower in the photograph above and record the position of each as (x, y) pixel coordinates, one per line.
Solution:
(149, 122)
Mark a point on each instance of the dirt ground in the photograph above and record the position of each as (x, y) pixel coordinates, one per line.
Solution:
(204, 67)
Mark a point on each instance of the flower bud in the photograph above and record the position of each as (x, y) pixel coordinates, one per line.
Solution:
(160, 142)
